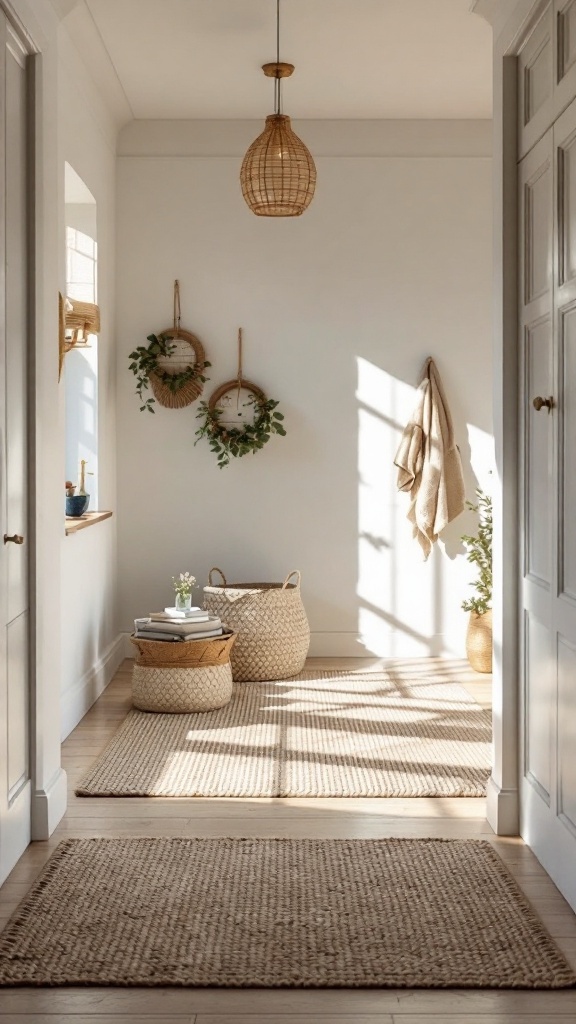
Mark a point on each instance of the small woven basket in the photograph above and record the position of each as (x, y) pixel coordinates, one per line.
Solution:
(185, 395)
(273, 635)
(177, 690)
(479, 641)
(189, 351)
(192, 654)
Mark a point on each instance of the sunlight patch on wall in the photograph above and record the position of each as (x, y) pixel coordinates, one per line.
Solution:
(482, 456)
(394, 616)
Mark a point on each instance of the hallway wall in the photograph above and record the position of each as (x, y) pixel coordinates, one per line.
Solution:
(391, 263)
(91, 650)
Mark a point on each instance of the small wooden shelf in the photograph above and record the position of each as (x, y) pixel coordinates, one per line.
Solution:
(75, 523)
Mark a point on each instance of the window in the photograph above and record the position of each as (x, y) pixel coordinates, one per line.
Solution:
(81, 362)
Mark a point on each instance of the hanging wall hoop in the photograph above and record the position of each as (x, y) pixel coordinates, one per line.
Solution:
(173, 365)
(189, 353)
(235, 385)
(230, 440)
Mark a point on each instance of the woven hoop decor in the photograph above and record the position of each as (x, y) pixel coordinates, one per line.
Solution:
(192, 654)
(273, 635)
(479, 641)
(235, 385)
(179, 361)
(176, 690)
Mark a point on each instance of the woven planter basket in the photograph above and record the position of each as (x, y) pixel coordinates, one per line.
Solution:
(273, 635)
(185, 395)
(191, 353)
(177, 690)
(479, 641)
(192, 654)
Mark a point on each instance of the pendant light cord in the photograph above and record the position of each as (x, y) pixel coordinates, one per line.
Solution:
(239, 356)
(277, 80)
(177, 314)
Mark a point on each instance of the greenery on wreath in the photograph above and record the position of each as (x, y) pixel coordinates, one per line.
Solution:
(145, 362)
(233, 442)
(480, 554)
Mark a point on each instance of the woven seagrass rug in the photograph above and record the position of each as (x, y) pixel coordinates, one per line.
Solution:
(319, 734)
(279, 913)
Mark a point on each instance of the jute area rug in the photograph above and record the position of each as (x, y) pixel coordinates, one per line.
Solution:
(279, 913)
(320, 734)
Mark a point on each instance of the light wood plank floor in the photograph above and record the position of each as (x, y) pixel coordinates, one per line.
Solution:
(346, 818)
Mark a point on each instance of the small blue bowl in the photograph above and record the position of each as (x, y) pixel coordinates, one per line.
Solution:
(77, 505)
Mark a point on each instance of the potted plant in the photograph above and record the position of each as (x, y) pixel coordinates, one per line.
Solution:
(479, 552)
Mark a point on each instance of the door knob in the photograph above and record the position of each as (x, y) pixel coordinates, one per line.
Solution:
(539, 403)
(14, 539)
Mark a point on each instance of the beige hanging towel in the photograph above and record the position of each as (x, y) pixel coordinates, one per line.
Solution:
(428, 462)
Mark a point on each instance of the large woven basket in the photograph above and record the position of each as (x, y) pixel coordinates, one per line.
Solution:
(177, 690)
(273, 635)
(193, 653)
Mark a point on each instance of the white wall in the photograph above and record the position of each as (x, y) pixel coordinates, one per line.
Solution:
(91, 648)
(390, 264)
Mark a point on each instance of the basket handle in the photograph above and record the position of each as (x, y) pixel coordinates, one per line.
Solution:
(295, 572)
(216, 569)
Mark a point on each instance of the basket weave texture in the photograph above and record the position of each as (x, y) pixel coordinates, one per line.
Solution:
(185, 395)
(278, 174)
(479, 641)
(273, 635)
(192, 654)
(179, 690)
(189, 352)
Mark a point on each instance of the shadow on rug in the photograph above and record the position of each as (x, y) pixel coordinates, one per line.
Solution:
(320, 734)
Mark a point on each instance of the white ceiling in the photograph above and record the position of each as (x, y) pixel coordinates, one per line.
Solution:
(354, 58)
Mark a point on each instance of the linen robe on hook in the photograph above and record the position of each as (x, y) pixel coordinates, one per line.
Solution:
(429, 464)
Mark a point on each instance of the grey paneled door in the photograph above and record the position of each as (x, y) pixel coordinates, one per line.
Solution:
(15, 785)
(548, 404)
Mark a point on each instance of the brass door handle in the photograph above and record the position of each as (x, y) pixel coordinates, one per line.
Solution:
(539, 403)
(14, 539)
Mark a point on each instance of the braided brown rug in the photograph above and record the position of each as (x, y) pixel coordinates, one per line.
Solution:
(322, 733)
(271, 913)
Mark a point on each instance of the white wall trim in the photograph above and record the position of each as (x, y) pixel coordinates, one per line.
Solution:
(49, 806)
(401, 138)
(502, 809)
(78, 699)
(495, 12)
(355, 645)
(503, 804)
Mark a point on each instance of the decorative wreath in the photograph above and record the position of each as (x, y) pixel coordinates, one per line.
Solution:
(234, 442)
(173, 389)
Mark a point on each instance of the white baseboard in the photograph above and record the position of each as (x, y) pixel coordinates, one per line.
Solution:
(356, 645)
(78, 699)
(392, 644)
(49, 806)
(503, 809)
(129, 649)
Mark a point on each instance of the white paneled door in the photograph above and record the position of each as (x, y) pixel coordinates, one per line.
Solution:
(548, 428)
(15, 784)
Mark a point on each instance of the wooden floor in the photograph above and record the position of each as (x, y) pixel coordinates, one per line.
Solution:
(346, 818)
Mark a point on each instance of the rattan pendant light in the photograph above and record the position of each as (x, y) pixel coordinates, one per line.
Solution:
(278, 174)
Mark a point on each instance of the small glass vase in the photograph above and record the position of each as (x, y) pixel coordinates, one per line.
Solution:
(183, 601)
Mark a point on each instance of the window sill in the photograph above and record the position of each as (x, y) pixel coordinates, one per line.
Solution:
(76, 523)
